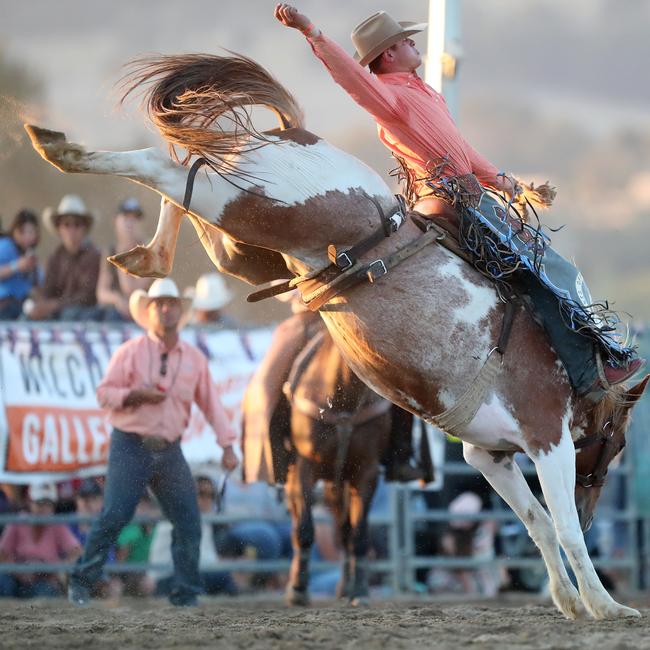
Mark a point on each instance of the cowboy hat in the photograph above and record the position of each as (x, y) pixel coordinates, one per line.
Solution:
(42, 492)
(161, 288)
(211, 293)
(379, 32)
(70, 205)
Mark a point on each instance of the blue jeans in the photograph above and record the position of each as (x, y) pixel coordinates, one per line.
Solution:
(130, 468)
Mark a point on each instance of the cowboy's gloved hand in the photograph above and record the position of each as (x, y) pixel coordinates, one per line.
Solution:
(290, 17)
(229, 460)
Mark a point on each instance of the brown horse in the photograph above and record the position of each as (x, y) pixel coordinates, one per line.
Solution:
(339, 433)
(418, 335)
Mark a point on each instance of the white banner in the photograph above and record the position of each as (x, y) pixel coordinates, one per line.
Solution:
(51, 427)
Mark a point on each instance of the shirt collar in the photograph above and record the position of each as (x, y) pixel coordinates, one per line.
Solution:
(158, 342)
(398, 78)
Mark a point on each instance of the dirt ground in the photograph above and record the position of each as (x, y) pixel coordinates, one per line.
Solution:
(256, 624)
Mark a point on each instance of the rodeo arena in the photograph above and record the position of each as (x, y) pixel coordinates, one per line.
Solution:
(285, 362)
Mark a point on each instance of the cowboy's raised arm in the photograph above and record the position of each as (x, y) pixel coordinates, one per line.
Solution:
(363, 86)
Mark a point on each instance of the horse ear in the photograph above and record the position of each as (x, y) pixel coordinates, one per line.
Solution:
(633, 395)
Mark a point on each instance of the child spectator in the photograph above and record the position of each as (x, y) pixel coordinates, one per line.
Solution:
(36, 543)
(19, 271)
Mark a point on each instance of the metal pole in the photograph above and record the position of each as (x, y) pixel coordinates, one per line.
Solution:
(444, 50)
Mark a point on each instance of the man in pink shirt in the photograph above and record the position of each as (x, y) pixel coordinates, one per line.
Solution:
(445, 173)
(23, 543)
(150, 385)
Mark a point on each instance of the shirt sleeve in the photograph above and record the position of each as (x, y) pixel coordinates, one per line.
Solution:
(207, 399)
(8, 541)
(482, 168)
(364, 87)
(7, 251)
(66, 541)
(116, 385)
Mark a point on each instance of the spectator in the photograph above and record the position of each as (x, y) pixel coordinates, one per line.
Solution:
(209, 297)
(25, 543)
(214, 582)
(264, 535)
(69, 292)
(114, 286)
(19, 271)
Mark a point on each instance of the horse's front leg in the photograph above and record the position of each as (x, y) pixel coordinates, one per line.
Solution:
(155, 260)
(505, 476)
(300, 485)
(557, 475)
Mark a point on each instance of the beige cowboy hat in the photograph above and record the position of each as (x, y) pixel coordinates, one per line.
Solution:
(379, 32)
(42, 492)
(70, 204)
(211, 293)
(161, 288)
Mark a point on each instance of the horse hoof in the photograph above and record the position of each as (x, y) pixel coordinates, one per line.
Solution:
(40, 136)
(295, 598)
(139, 261)
(615, 611)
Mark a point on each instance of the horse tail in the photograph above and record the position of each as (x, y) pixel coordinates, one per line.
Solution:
(202, 103)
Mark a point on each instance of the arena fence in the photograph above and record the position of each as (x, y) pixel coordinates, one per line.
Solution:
(401, 521)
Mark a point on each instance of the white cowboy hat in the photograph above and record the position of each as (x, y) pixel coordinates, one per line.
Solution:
(42, 492)
(379, 32)
(161, 288)
(211, 293)
(70, 204)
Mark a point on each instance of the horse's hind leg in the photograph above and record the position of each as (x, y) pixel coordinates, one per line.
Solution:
(155, 260)
(300, 484)
(505, 476)
(556, 471)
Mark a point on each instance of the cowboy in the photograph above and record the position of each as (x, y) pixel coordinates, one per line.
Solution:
(72, 270)
(443, 169)
(148, 390)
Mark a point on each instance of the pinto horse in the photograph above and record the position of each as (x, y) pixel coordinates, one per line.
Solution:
(339, 431)
(418, 335)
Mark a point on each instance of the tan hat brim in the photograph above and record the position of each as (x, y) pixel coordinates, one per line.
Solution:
(139, 301)
(409, 28)
(51, 216)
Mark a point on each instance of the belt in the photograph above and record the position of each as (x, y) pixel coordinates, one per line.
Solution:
(156, 443)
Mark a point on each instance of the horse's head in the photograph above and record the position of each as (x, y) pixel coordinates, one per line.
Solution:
(607, 423)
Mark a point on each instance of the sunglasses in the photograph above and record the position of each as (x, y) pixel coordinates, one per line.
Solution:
(163, 363)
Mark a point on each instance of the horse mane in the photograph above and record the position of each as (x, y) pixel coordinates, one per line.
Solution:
(202, 103)
(611, 407)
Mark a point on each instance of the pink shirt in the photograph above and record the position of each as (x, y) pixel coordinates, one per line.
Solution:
(413, 120)
(20, 544)
(137, 364)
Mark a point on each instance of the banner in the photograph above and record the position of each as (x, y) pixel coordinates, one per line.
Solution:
(51, 427)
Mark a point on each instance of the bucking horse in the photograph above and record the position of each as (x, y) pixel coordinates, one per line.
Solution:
(423, 333)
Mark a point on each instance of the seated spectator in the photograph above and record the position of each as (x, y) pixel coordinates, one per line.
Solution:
(24, 543)
(69, 290)
(133, 546)
(468, 538)
(265, 534)
(115, 286)
(209, 297)
(19, 270)
(214, 581)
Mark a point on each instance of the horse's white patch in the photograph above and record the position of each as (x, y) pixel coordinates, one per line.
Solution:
(493, 427)
(313, 169)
